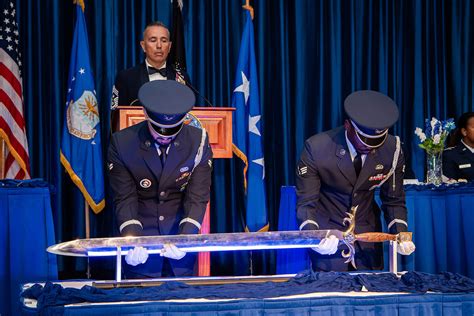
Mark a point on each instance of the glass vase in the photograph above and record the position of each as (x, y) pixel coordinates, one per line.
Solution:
(434, 167)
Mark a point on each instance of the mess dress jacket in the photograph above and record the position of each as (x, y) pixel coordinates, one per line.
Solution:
(327, 188)
(129, 81)
(458, 163)
(150, 199)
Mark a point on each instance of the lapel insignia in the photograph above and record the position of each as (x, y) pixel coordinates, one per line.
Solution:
(379, 167)
(467, 165)
(184, 169)
(378, 177)
(111, 166)
(342, 152)
(145, 183)
(209, 162)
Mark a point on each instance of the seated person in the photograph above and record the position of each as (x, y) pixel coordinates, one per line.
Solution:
(160, 175)
(458, 161)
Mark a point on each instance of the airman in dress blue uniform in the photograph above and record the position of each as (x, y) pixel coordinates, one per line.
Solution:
(341, 168)
(160, 174)
(458, 161)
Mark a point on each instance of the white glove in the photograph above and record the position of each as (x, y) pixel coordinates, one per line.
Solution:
(136, 256)
(327, 246)
(172, 252)
(406, 248)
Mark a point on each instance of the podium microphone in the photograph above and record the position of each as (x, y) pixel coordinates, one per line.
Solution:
(178, 72)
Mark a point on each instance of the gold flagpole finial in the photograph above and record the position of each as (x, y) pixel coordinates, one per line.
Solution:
(81, 3)
(247, 6)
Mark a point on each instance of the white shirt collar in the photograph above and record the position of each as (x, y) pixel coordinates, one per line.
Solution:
(155, 76)
(468, 147)
(353, 151)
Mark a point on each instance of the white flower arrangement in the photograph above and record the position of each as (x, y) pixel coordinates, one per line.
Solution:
(433, 138)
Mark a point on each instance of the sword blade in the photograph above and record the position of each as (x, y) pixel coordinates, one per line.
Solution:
(195, 243)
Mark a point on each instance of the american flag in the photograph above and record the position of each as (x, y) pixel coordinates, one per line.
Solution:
(12, 122)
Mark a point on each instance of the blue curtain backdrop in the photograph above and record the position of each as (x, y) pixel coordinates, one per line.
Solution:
(310, 55)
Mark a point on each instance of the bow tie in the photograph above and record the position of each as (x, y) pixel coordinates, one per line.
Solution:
(152, 70)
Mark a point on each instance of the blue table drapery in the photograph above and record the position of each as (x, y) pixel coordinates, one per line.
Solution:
(441, 219)
(26, 230)
(333, 304)
(404, 304)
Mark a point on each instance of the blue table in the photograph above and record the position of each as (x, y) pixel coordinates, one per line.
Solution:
(441, 218)
(334, 303)
(26, 230)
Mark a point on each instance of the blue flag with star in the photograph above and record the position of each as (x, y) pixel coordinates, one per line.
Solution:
(81, 151)
(247, 136)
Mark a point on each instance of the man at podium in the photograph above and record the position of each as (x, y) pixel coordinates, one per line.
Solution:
(160, 175)
(156, 45)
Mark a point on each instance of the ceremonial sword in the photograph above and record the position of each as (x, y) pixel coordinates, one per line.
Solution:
(117, 246)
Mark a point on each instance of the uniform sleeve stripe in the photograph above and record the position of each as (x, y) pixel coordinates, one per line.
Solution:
(192, 221)
(399, 221)
(130, 222)
(308, 222)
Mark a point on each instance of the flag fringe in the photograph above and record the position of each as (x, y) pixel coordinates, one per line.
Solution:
(96, 207)
(243, 157)
(81, 3)
(261, 230)
(12, 150)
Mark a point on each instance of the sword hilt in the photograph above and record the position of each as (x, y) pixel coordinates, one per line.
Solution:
(381, 237)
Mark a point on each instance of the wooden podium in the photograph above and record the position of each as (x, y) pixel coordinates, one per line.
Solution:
(218, 123)
(216, 120)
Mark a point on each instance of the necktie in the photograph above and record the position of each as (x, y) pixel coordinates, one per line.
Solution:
(163, 149)
(358, 164)
(161, 71)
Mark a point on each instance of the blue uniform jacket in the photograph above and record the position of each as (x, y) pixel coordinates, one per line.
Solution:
(458, 163)
(152, 200)
(327, 188)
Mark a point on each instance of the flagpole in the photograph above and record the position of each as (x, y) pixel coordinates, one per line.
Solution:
(2, 159)
(88, 233)
(248, 7)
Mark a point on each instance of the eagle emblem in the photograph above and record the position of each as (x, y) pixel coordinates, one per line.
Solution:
(83, 116)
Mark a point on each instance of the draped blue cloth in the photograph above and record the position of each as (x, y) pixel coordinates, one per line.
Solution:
(52, 297)
(410, 305)
(26, 230)
(441, 219)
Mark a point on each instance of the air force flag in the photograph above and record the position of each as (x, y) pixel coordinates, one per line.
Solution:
(81, 152)
(247, 136)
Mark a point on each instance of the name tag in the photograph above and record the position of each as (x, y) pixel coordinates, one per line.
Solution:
(467, 165)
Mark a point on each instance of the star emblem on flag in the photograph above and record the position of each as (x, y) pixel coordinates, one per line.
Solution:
(244, 87)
